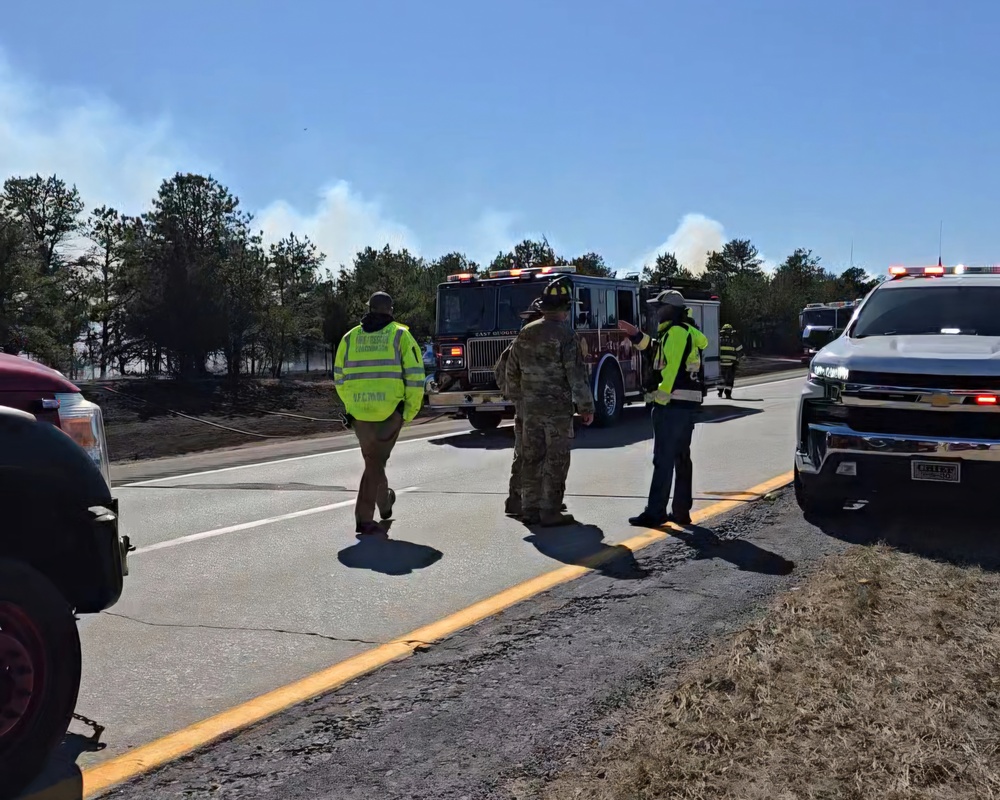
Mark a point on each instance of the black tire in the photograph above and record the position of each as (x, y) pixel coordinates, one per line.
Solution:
(34, 614)
(813, 503)
(609, 398)
(485, 420)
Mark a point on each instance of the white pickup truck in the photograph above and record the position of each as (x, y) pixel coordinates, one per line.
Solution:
(907, 398)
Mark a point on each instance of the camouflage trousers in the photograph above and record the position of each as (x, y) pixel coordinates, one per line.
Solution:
(545, 442)
(514, 489)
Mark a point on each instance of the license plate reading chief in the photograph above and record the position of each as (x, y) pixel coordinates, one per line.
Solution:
(937, 471)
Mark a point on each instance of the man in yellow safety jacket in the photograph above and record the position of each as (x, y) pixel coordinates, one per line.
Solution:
(675, 392)
(379, 375)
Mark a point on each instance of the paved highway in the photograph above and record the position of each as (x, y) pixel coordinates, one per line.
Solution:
(249, 577)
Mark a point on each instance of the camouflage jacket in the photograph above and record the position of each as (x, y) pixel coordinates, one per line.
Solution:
(545, 371)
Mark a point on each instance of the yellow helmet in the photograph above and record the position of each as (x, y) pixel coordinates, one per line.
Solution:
(727, 327)
(557, 295)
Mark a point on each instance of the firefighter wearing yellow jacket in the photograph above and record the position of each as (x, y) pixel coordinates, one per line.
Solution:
(730, 355)
(675, 392)
(379, 375)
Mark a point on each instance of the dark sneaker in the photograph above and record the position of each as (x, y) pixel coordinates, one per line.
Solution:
(512, 507)
(729, 395)
(390, 500)
(530, 517)
(645, 520)
(679, 519)
(720, 392)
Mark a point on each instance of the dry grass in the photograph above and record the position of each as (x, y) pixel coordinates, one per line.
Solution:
(879, 678)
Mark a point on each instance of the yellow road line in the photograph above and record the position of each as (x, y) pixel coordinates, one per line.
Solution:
(103, 776)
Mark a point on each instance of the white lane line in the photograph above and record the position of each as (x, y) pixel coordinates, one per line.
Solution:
(245, 526)
(154, 481)
(290, 459)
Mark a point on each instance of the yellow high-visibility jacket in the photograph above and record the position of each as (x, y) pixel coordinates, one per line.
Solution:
(379, 367)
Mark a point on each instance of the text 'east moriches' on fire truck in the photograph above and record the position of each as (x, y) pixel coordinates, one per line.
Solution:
(478, 317)
(821, 323)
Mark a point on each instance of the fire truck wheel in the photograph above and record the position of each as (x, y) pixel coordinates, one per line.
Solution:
(40, 669)
(609, 398)
(485, 420)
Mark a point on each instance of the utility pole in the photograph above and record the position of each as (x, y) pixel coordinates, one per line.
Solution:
(940, 240)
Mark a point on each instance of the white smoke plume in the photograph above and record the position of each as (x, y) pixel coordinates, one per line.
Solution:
(695, 237)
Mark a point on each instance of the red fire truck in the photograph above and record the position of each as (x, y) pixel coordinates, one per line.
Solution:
(478, 317)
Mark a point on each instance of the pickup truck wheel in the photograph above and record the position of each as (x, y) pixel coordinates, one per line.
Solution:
(40, 670)
(816, 503)
(485, 420)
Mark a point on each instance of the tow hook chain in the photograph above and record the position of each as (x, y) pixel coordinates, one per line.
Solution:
(95, 737)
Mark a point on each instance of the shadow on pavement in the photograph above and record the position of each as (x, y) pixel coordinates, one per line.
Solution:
(634, 426)
(62, 779)
(964, 537)
(584, 546)
(742, 554)
(388, 556)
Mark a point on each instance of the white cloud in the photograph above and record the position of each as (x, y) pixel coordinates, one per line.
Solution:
(117, 160)
(341, 224)
(694, 238)
(87, 141)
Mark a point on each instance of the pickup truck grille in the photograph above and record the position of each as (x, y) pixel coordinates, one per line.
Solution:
(975, 425)
(961, 382)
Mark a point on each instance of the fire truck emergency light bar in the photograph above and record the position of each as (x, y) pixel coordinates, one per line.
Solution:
(529, 272)
(937, 269)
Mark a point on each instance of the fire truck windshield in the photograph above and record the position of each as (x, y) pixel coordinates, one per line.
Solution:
(819, 317)
(513, 299)
(466, 308)
(483, 308)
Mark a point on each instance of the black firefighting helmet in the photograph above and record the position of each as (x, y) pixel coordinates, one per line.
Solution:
(532, 312)
(557, 295)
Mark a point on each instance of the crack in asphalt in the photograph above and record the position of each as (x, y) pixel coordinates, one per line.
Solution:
(250, 629)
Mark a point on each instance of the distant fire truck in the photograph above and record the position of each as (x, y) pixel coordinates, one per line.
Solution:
(821, 323)
(478, 317)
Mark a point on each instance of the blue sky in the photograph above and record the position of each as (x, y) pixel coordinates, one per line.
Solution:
(455, 125)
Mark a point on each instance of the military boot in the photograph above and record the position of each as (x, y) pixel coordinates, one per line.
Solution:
(512, 507)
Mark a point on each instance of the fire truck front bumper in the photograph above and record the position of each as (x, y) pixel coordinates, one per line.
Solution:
(488, 400)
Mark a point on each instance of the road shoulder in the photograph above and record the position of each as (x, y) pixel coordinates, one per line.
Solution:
(496, 710)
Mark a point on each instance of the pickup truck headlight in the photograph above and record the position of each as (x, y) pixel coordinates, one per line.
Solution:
(83, 422)
(828, 372)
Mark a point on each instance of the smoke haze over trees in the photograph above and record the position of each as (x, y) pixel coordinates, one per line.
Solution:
(192, 282)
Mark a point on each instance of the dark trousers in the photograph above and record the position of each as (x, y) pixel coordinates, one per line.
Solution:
(673, 427)
(377, 440)
(728, 376)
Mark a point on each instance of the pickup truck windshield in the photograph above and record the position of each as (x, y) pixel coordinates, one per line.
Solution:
(940, 309)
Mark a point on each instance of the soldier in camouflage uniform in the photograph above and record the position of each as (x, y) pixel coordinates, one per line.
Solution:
(546, 372)
(512, 506)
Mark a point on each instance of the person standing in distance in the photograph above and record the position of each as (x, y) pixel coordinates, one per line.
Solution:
(676, 394)
(379, 375)
(546, 371)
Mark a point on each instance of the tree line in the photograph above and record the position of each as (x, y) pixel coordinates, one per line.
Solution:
(164, 292)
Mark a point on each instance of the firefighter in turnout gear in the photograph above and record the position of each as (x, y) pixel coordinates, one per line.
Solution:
(379, 375)
(675, 391)
(730, 355)
(547, 374)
